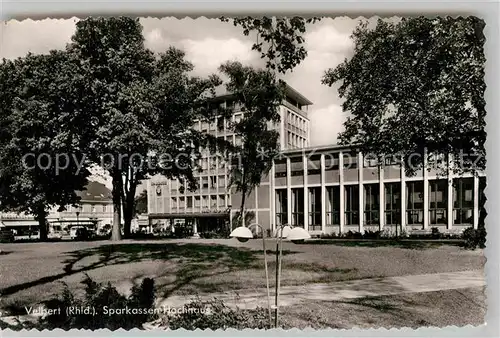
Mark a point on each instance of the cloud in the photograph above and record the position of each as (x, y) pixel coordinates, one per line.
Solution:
(326, 124)
(39, 37)
(208, 54)
(327, 39)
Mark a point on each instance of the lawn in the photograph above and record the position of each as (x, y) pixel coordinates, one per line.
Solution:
(33, 272)
(458, 307)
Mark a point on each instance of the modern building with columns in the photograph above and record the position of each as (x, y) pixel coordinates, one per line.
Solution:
(330, 189)
(336, 189)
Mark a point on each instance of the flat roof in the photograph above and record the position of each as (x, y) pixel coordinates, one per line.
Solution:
(221, 92)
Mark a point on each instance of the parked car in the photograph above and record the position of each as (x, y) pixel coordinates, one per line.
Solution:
(79, 233)
(55, 232)
(6, 235)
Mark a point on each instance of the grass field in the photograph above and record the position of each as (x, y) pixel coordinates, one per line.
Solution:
(33, 272)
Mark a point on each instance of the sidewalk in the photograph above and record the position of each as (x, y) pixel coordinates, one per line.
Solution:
(337, 291)
(293, 295)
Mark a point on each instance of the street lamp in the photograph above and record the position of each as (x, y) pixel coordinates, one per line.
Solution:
(294, 234)
(243, 234)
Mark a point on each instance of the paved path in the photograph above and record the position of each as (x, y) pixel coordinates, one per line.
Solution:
(292, 295)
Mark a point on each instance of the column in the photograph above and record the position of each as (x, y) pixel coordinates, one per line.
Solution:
(426, 191)
(342, 192)
(403, 195)
(289, 190)
(306, 194)
(361, 193)
(476, 202)
(381, 196)
(323, 194)
(449, 210)
(195, 227)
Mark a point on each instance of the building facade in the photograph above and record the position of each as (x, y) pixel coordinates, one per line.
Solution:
(333, 189)
(95, 210)
(170, 203)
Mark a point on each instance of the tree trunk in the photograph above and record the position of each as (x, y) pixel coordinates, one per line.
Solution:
(116, 233)
(128, 206)
(128, 213)
(41, 217)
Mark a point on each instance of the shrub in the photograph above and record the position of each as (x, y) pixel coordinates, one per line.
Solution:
(435, 233)
(474, 238)
(372, 234)
(214, 314)
(99, 303)
(353, 235)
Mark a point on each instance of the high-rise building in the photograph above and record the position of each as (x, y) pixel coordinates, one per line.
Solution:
(170, 203)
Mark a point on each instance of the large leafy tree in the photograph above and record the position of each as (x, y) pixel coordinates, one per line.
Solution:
(279, 40)
(143, 105)
(42, 136)
(416, 84)
(259, 94)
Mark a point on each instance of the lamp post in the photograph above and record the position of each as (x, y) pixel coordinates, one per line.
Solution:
(293, 234)
(243, 234)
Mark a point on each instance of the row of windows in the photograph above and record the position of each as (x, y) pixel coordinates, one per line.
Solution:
(93, 208)
(463, 204)
(205, 182)
(199, 201)
(350, 161)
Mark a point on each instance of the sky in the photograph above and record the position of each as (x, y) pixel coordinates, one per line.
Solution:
(209, 43)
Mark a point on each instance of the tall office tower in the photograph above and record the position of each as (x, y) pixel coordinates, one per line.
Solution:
(208, 208)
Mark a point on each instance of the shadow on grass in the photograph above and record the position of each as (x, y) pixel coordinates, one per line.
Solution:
(196, 261)
(403, 244)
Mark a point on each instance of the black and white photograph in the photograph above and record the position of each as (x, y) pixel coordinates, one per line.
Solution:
(243, 172)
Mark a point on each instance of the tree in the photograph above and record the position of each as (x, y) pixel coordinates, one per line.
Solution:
(279, 40)
(413, 85)
(259, 94)
(143, 105)
(41, 136)
(141, 203)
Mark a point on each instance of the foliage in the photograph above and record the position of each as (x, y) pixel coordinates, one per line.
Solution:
(100, 300)
(142, 107)
(474, 238)
(279, 40)
(214, 314)
(427, 73)
(141, 203)
(43, 135)
(259, 94)
(435, 233)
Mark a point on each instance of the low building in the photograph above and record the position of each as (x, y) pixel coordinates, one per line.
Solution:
(95, 210)
(334, 189)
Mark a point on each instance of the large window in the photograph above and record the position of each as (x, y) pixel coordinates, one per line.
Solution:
(351, 204)
(298, 207)
(189, 201)
(281, 207)
(463, 201)
(315, 208)
(415, 205)
(333, 205)
(372, 203)
(438, 200)
(392, 203)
